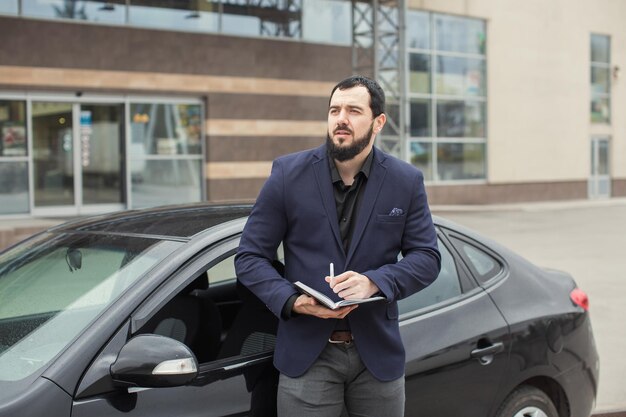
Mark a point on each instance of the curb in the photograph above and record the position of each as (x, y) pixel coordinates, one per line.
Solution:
(610, 414)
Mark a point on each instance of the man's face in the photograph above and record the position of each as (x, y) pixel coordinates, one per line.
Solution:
(351, 125)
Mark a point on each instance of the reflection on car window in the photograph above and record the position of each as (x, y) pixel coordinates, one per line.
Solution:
(483, 265)
(53, 287)
(446, 285)
(222, 271)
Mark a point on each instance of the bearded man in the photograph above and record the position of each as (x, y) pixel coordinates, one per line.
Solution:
(349, 204)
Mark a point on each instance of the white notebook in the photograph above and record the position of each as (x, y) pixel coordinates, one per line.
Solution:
(330, 303)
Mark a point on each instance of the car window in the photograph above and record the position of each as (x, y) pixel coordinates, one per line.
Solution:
(222, 271)
(217, 317)
(483, 265)
(446, 286)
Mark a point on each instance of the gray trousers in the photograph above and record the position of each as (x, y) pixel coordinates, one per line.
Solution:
(338, 384)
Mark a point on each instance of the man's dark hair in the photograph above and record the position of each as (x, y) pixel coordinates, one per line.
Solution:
(377, 95)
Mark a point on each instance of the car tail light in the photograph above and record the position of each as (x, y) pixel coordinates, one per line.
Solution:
(579, 297)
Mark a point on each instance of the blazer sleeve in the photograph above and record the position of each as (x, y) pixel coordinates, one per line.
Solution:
(261, 237)
(421, 260)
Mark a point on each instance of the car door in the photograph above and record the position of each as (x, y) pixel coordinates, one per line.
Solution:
(457, 344)
(235, 372)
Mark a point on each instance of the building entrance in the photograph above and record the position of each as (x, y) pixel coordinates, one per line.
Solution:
(78, 157)
(600, 178)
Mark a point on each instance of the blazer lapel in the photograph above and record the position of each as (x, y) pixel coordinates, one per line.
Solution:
(368, 200)
(324, 184)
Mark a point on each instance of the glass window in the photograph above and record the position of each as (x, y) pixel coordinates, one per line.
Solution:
(165, 153)
(192, 16)
(101, 11)
(422, 158)
(8, 6)
(418, 30)
(460, 76)
(461, 161)
(446, 286)
(327, 21)
(600, 49)
(483, 265)
(280, 19)
(460, 118)
(14, 187)
(420, 118)
(13, 158)
(600, 110)
(447, 82)
(419, 73)
(460, 34)
(13, 128)
(600, 79)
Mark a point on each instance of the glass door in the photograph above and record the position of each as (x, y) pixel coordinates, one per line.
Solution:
(600, 179)
(78, 163)
(53, 154)
(101, 134)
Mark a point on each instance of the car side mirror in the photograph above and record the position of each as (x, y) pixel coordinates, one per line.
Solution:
(154, 361)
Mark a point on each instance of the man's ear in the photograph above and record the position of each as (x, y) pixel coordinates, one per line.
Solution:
(379, 122)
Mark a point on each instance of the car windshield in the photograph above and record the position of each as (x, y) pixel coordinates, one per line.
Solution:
(53, 286)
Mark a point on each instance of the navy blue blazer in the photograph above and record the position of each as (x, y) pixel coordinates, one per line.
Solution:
(296, 206)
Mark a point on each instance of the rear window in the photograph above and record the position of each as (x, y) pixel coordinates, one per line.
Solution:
(483, 265)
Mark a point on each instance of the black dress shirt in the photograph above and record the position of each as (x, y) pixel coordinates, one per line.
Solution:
(347, 201)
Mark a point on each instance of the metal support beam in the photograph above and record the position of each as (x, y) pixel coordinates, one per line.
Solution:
(378, 52)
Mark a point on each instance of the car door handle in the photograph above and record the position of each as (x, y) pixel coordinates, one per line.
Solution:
(483, 354)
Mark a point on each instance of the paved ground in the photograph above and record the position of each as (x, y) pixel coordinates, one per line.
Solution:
(587, 239)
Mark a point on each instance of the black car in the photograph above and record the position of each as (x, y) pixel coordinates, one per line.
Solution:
(139, 314)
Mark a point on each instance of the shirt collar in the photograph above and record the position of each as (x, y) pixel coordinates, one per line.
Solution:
(366, 168)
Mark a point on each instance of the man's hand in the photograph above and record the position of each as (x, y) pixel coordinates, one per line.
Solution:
(309, 305)
(351, 285)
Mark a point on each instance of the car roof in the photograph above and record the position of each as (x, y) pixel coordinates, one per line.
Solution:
(182, 221)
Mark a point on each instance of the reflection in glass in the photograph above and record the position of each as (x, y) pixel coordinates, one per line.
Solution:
(277, 19)
(461, 161)
(14, 187)
(165, 181)
(417, 30)
(460, 76)
(13, 128)
(600, 80)
(109, 11)
(8, 6)
(419, 75)
(460, 34)
(422, 158)
(53, 161)
(600, 49)
(600, 110)
(460, 119)
(420, 118)
(194, 16)
(165, 129)
(327, 21)
(101, 138)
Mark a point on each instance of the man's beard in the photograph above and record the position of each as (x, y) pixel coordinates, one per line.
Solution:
(345, 153)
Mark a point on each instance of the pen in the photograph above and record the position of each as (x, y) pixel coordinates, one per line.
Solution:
(332, 272)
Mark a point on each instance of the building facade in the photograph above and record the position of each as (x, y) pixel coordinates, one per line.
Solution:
(108, 105)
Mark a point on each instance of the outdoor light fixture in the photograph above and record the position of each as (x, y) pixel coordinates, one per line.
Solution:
(616, 72)
(107, 7)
